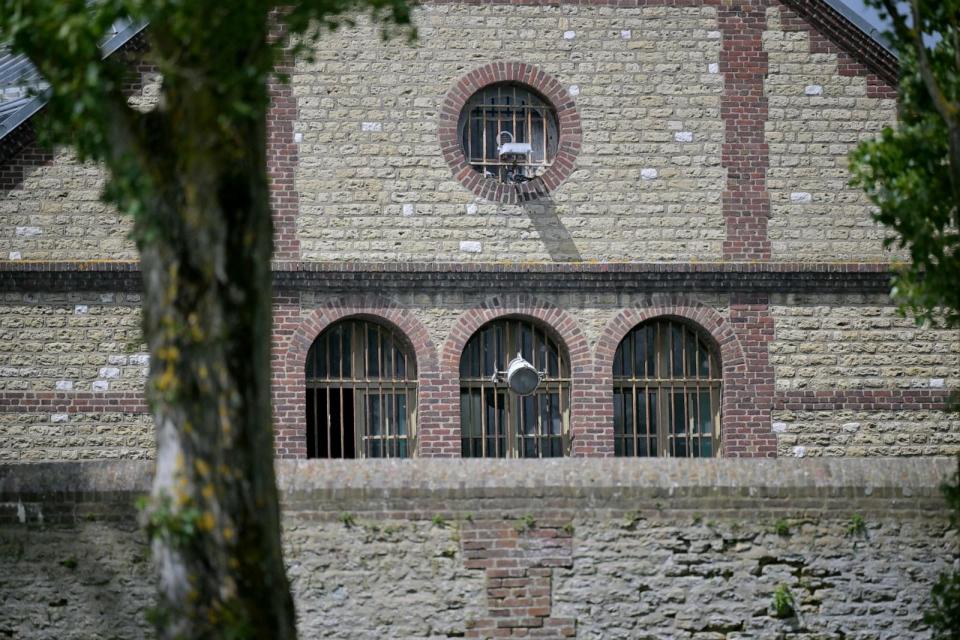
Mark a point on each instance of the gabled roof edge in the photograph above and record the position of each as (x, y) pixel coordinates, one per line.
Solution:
(28, 110)
(862, 41)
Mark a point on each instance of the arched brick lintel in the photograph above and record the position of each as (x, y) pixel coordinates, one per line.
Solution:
(379, 309)
(571, 133)
(563, 328)
(709, 320)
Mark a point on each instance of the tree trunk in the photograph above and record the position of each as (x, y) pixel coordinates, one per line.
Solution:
(205, 253)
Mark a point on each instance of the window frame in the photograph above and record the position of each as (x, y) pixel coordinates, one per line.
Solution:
(660, 417)
(362, 388)
(504, 104)
(510, 409)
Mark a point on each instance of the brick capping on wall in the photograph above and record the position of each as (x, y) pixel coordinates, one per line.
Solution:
(421, 488)
(568, 122)
(745, 277)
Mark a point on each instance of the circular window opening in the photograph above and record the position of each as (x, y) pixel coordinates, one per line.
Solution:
(508, 132)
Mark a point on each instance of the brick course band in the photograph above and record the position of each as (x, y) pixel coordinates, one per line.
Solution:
(863, 400)
(549, 88)
(79, 402)
(351, 277)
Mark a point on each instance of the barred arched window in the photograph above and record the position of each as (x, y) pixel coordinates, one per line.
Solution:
(361, 393)
(666, 392)
(496, 422)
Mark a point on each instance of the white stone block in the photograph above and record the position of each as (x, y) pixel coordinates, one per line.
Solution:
(626, 34)
(471, 246)
(937, 383)
(472, 209)
(569, 35)
(140, 358)
(28, 232)
(409, 209)
(109, 372)
(371, 126)
(298, 137)
(713, 35)
(648, 174)
(64, 385)
(117, 360)
(59, 417)
(779, 427)
(106, 297)
(14, 255)
(713, 67)
(81, 309)
(850, 427)
(683, 136)
(801, 197)
(574, 90)
(100, 385)
(799, 452)
(813, 90)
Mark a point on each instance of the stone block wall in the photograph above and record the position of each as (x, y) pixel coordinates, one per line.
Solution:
(373, 184)
(690, 550)
(821, 106)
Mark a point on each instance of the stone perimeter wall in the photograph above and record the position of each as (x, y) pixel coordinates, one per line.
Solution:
(556, 549)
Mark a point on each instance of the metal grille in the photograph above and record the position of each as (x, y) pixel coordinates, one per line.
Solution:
(511, 108)
(666, 392)
(497, 423)
(361, 393)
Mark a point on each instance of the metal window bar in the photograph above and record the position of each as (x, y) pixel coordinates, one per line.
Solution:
(495, 422)
(508, 107)
(667, 388)
(361, 393)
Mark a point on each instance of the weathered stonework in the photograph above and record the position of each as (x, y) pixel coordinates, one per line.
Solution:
(636, 96)
(560, 549)
(819, 110)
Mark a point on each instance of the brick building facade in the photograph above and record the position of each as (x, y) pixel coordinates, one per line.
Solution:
(699, 178)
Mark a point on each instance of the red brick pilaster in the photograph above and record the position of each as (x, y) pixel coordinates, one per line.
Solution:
(282, 158)
(294, 333)
(587, 441)
(518, 560)
(717, 329)
(743, 108)
(748, 394)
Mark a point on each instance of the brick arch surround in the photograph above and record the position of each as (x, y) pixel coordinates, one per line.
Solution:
(568, 120)
(745, 424)
(562, 325)
(290, 375)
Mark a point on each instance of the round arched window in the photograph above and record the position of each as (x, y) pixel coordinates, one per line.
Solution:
(666, 392)
(361, 393)
(495, 421)
(508, 132)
